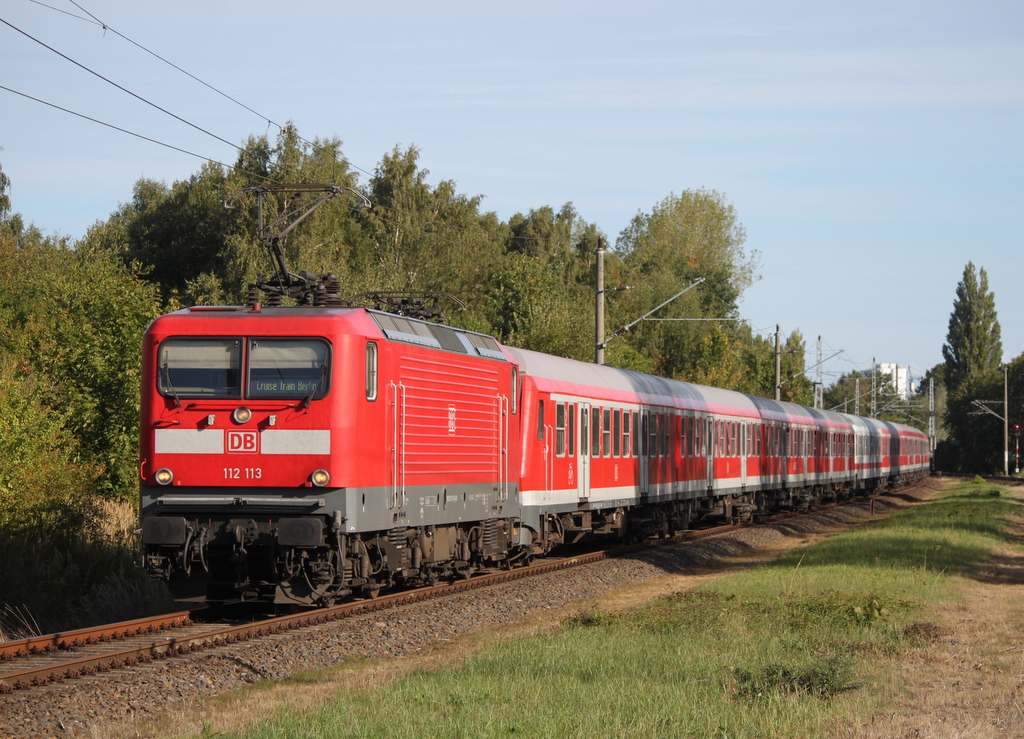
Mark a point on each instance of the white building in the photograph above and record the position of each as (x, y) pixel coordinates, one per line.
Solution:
(899, 377)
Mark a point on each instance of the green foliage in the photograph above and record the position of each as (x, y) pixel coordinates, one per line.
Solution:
(822, 677)
(973, 346)
(5, 200)
(972, 353)
(198, 238)
(529, 281)
(529, 307)
(43, 486)
(975, 438)
(424, 237)
(685, 237)
(73, 320)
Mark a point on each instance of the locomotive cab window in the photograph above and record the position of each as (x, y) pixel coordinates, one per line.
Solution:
(288, 368)
(199, 368)
(371, 370)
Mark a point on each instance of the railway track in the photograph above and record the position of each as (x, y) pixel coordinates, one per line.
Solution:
(39, 661)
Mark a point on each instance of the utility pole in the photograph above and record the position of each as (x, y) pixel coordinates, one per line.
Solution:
(931, 412)
(778, 363)
(856, 396)
(599, 305)
(819, 386)
(1006, 423)
(874, 386)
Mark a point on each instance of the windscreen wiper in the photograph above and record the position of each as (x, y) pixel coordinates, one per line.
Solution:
(170, 385)
(309, 398)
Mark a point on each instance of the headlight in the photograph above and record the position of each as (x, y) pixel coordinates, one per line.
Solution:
(241, 415)
(163, 476)
(320, 478)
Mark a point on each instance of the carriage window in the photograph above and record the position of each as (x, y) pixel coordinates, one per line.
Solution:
(288, 368)
(616, 432)
(625, 433)
(584, 432)
(572, 428)
(606, 446)
(559, 429)
(540, 420)
(636, 435)
(199, 368)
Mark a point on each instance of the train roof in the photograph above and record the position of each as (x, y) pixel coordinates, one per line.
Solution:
(569, 376)
(550, 373)
(557, 374)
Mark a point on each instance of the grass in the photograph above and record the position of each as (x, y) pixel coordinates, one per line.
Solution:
(796, 648)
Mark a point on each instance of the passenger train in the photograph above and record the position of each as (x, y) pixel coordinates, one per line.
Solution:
(301, 455)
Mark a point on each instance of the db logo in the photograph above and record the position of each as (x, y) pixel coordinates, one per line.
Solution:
(243, 442)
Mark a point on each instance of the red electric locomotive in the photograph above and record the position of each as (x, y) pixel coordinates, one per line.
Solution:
(276, 439)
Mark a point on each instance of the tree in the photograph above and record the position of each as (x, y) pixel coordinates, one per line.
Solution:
(541, 294)
(973, 345)
(695, 234)
(426, 237)
(198, 237)
(5, 201)
(71, 321)
(973, 351)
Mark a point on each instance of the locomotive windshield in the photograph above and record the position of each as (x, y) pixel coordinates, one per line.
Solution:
(283, 369)
(287, 368)
(200, 368)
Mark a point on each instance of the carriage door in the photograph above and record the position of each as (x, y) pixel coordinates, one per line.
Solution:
(710, 449)
(645, 452)
(744, 444)
(583, 476)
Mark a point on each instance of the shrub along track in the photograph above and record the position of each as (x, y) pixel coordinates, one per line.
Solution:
(315, 639)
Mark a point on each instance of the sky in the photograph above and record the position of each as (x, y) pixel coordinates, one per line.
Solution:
(871, 150)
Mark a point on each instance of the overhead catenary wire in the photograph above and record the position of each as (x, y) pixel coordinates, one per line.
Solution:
(92, 19)
(106, 27)
(124, 130)
(119, 87)
(422, 231)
